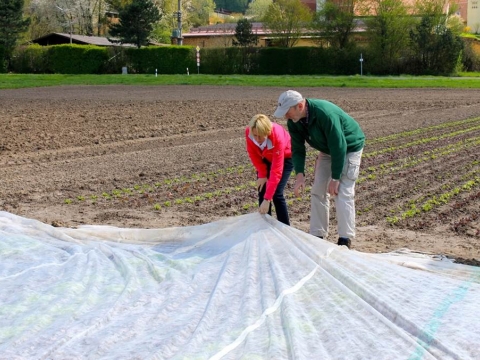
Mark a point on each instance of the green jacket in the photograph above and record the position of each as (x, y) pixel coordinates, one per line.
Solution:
(329, 130)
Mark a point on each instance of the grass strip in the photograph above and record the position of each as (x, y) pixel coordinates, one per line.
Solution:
(15, 81)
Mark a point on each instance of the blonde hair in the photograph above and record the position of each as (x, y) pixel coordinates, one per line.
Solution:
(262, 123)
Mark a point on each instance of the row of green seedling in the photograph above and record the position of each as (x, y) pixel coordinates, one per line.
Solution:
(140, 189)
(432, 154)
(420, 142)
(421, 131)
(411, 133)
(434, 201)
(444, 176)
(372, 172)
(148, 188)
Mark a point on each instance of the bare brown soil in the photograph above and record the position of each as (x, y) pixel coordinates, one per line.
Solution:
(154, 157)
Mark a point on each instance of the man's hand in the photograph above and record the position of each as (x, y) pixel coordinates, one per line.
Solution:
(299, 185)
(264, 207)
(333, 187)
(260, 183)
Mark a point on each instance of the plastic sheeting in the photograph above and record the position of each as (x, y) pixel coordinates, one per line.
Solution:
(247, 287)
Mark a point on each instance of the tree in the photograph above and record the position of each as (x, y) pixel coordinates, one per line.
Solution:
(198, 12)
(12, 24)
(258, 8)
(244, 34)
(163, 29)
(245, 37)
(335, 22)
(79, 16)
(43, 19)
(83, 17)
(136, 22)
(118, 4)
(387, 32)
(287, 19)
(436, 47)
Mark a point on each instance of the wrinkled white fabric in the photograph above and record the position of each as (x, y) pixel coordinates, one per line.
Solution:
(247, 287)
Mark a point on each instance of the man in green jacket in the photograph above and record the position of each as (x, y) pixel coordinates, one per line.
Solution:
(340, 140)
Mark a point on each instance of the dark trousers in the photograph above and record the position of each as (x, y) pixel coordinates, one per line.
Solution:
(278, 198)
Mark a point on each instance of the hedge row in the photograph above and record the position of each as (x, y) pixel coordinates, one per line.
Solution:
(59, 59)
(89, 59)
(80, 59)
(3, 65)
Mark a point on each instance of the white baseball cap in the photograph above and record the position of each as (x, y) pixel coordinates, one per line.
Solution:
(286, 100)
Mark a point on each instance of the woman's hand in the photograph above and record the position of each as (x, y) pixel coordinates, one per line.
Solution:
(260, 183)
(264, 207)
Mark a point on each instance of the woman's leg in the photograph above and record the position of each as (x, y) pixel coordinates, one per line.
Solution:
(279, 198)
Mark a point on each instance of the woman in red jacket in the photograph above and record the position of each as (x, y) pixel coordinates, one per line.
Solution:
(269, 149)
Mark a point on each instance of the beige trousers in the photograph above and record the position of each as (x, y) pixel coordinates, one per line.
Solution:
(344, 201)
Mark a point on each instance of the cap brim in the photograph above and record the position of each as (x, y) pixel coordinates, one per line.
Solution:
(280, 112)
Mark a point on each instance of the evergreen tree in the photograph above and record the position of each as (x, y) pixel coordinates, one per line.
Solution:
(12, 25)
(136, 22)
(244, 34)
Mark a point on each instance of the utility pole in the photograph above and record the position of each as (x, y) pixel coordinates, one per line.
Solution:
(179, 19)
(361, 64)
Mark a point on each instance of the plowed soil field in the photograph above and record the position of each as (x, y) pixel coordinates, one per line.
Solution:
(154, 157)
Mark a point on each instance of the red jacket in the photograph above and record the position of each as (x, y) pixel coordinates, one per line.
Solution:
(278, 148)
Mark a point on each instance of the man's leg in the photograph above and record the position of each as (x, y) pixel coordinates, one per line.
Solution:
(345, 200)
(320, 201)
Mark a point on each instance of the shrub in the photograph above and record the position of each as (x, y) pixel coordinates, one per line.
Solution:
(3, 63)
(470, 58)
(77, 59)
(30, 59)
(166, 59)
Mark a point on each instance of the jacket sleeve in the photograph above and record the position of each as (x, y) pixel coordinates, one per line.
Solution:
(298, 148)
(279, 138)
(337, 144)
(255, 155)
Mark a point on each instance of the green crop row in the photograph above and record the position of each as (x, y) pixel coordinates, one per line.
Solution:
(149, 188)
(421, 130)
(401, 164)
(409, 133)
(421, 142)
(369, 174)
(427, 203)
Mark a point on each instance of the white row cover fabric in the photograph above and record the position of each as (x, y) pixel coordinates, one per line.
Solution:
(246, 287)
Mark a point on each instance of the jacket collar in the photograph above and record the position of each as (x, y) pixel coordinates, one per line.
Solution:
(269, 142)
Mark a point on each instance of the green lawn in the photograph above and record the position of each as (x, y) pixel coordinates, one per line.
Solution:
(465, 80)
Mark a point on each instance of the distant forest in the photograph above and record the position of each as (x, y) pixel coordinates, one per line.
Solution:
(238, 6)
